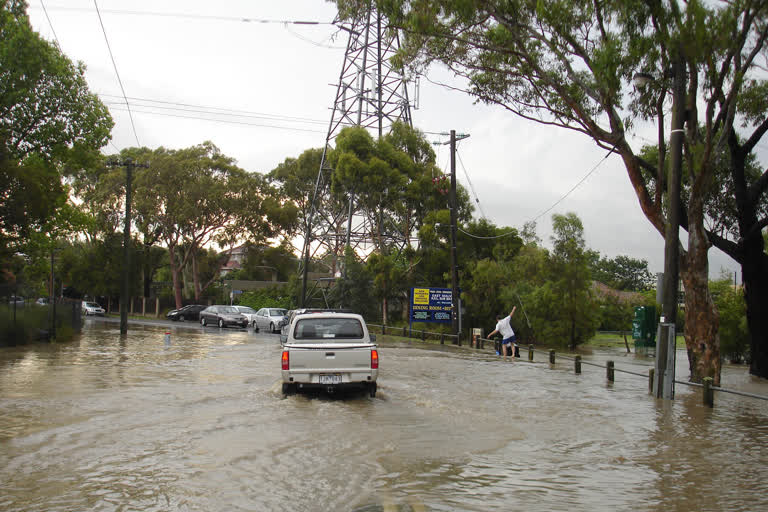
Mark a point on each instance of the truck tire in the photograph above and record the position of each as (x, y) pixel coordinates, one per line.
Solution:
(372, 389)
(202, 321)
(221, 323)
(289, 389)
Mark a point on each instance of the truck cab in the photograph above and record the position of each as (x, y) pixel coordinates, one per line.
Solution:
(329, 351)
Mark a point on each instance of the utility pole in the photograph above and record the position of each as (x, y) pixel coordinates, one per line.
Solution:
(129, 165)
(665, 353)
(452, 204)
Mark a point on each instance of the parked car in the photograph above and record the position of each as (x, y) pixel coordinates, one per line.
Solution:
(189, 312)
(269, 319)
(15, 300)
(222, 316)
(329, 351)
(92, 308)
(249, 313)
(42, 301)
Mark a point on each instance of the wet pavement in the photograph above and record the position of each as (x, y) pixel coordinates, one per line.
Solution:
(129, 423)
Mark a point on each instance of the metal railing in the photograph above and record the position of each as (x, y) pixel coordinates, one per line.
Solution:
(610, 368)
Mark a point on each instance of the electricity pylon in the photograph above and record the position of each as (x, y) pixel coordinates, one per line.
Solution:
(372, 94)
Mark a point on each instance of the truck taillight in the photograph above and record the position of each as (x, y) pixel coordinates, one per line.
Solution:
(374, 359)
(286, 365)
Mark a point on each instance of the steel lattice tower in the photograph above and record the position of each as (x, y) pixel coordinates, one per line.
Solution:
(372, 94)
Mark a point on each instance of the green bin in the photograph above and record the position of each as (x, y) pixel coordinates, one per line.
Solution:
(644, 329)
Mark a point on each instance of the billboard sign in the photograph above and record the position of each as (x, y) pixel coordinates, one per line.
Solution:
(431, 305)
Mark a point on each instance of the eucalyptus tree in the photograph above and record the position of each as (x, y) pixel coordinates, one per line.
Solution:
(197, 197)
(570, 65)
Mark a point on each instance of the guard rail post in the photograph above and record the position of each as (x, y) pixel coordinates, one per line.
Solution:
(551, 357)
(442, 338)
(709, 393)
(577, 364)
(530, 353)
(609, 370)
(651, 373)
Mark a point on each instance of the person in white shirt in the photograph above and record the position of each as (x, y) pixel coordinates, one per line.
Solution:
(504, 327)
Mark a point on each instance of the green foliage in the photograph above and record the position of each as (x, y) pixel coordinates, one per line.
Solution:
(482, 287)
(615, 314)
(272, 297)
(575, 312)
(623, 273)
(734, 334)
(49, 123)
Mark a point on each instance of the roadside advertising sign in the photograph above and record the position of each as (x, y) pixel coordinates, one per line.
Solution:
(431, 305)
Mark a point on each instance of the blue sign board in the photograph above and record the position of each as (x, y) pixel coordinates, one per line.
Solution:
(433, 305)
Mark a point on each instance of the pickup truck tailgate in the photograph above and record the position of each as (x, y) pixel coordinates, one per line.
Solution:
(330, 357)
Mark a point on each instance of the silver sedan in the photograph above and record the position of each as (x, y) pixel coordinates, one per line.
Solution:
(269, 319)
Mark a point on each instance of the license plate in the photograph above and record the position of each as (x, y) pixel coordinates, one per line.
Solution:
(334, 378)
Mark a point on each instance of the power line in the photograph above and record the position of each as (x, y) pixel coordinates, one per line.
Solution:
(240, 19)
(471, 187)
(138, 144)
(213, 110)
(50, 25)
(226, 121)
(577, 185)
(582, 180)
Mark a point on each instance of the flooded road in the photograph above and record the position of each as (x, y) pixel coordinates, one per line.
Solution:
(111, 424)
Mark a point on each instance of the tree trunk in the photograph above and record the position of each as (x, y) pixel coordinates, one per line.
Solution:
(195, 278)
(754, 270)
(175, 275)
(702, 320)
(384, 311)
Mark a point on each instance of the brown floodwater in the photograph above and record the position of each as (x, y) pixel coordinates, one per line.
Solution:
(106, 423)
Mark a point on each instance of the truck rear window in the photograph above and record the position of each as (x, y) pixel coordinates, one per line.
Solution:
(328, 329)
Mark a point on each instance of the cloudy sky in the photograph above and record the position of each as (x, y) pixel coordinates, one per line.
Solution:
(233, 73)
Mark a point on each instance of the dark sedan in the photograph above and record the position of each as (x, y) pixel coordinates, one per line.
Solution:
(223, 316)
(190, 312)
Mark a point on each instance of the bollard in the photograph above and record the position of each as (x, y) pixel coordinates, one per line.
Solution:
(609, 370)
(651, 373)
(167, 338)
(577, 364)
(552, 357)
(709, 393)
(530, 353)
(516, 350)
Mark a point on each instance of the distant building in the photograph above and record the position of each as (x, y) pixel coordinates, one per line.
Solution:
(235, 258)
(606, 291)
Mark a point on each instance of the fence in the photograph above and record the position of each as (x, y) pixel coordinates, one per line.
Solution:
(478, 342)
(407, 332)
(27, 322)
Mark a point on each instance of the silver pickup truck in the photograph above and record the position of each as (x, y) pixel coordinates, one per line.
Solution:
(329, 351)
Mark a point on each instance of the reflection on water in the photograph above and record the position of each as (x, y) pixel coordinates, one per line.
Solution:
(128, 423)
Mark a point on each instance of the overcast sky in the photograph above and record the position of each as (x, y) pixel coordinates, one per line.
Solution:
(195, 55)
